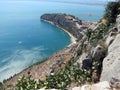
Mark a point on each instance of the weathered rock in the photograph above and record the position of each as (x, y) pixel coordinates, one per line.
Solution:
(118, 22)
(114, 29)
(115, 83)
(101, 86)
(110, 39)
(98, 53)
(111, 64)
(112, 34)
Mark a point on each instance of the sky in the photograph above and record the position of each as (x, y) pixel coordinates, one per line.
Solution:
(65, 0)
(82, 1)
(71, 1)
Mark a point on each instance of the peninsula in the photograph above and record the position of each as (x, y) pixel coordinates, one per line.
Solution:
(68, 23)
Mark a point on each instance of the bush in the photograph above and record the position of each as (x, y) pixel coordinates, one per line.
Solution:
(99, 34)
(111, 12)
(58, 80)
(1, 86)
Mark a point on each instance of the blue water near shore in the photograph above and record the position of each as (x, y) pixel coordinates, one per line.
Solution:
(24, 39)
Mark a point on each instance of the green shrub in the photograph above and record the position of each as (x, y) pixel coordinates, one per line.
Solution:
(99, 34)
(59, 80)
(25, 83)
(1, 86)
(111, 12)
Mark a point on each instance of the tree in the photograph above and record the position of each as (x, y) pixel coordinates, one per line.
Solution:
(111, 11)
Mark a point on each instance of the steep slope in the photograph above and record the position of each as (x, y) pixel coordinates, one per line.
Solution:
(111, 63)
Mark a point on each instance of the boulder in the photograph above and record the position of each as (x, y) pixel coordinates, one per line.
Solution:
(98, 53)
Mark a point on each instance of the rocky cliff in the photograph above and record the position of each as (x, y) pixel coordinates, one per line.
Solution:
(106, 54)
(111, 63)
(68, 22)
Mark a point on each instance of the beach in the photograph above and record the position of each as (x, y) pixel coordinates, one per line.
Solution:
(73, 38)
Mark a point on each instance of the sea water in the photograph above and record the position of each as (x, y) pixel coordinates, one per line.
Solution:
(25, 39)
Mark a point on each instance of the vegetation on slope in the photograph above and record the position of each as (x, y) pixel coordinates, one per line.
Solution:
(111, 12)
(71, 73)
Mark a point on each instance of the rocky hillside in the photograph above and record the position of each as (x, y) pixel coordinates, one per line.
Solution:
(70, 23)
(111, 63)
(110, 76)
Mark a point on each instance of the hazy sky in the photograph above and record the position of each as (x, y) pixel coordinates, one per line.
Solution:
(81, 1)
(73, 1)
(64, 0)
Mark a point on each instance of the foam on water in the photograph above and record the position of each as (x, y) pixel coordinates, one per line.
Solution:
(19, 60)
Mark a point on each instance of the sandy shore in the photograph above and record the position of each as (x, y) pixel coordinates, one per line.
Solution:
(73, 39)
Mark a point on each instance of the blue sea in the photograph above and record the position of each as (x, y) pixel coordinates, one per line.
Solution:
(25, 39)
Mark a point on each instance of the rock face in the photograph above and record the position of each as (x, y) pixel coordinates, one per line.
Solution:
(112, 34)
(99, 86)
(118, 22)
(111, 64)
(68, 22)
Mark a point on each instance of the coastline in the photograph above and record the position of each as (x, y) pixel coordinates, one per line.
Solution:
(73, 39)
(40, 70)
(55, 62)
(65, 55)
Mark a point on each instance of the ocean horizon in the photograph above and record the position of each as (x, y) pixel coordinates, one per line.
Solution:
(25, 39)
